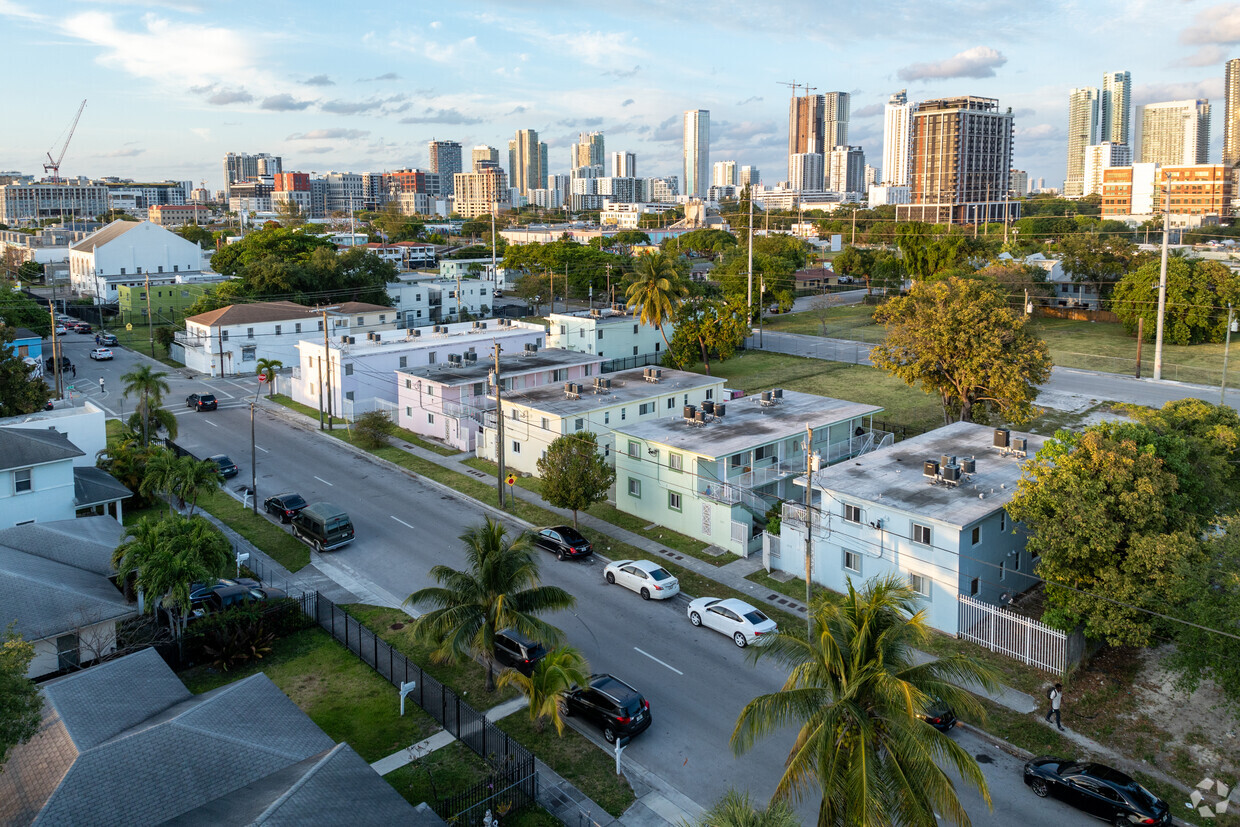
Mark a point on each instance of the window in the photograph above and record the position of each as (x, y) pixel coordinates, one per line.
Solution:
(763, 452)
(278, 329)
(919, 583)
(1002, 521)
(546, 424)
(249, 333)
(600, 335)
(382, 318)
(634, 330)
(634, 350)
(1016, 562)
(635, 448)
(247, 353)
(516, 447)
(656, 346)
(479, 388)
(559, 375)
(348, 369)
(1002, 569)
(563, 329)
(409, 384)
(408, 410)
(430, 419)
(21, 481)
(852, 513)
(676, 462)
(623, 411)
(319, 324)
(977, 534)
(122, 271)
(297, 328)
(673, 500)
(361, 321)
(710, 393)
(581, 333)
(737, 460)
(973, 586)
(224, 335)
(430, 358)
(579, 424)
(513, 414)
(635, 487)
(921, 534)
(606, 417)
(404, 361)
(645, 408)
(671, 402)
(852, 561)
(348, 395)
(430, 391)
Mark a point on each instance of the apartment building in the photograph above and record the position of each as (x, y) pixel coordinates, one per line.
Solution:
(614, 333)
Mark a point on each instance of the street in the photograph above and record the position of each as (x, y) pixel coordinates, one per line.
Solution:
(696, 680)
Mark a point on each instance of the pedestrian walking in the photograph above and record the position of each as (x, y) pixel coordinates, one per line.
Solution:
(101, 384)
(1055, 695)
(73, 370)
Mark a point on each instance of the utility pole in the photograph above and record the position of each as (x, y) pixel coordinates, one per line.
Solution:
(494, 270)
(499, 429)
(610, 298)
(1162, 284)
(1140, 340)
(150, 320)
(60, 394)
(811, 466)
(749, 319)
(852, 241)
(1222, 393)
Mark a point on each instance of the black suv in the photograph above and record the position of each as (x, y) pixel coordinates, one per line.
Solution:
(564, 540)
(612, 704)
(201, 401)
(516, 650)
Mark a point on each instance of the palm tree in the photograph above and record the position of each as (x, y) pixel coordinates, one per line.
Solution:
(150, 388)
(160, 477)
(559, 671)
(657, 291)
(736, 810)
(195, 477)
(498, 590)
(855, 691)
(268, 367)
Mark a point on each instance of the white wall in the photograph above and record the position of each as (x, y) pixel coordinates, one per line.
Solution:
(50, 497)
(619, 339)
(145, 248)
(95, 640)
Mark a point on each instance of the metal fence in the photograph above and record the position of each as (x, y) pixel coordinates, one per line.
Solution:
(1027, 640)
(629, 362)
(512, 762)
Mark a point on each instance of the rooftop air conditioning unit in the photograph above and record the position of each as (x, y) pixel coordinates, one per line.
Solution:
(930, 469)
(344, 340)
(1002, 437)
(968, 465)
(951, 474)
(416, 333)
(530, 347)
(778, 393)
(946, 459)
(1020, 444)
(352, 340)
(482, 325)
(708, 407)
(690, 412)
(765, 398)
(700, 417)
(720, 408)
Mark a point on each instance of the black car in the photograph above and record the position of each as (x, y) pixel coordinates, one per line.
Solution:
(83, 327)
(267, 593)
(516, 650)
(939, 715)
(227, 467)
(610, 703)
(223, 597)
(106, 339)
(198, 592)
(564, 540)
(201, 401)
(1097, 789)
(285, 506)
(65, 364)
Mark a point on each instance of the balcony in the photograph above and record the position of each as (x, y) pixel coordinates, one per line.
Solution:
(772, 472)
(184, 340)
(855, 446)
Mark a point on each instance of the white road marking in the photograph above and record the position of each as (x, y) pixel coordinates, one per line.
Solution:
(212, 424)
(402, 522)
(325, 482)
(261, 448)
(656, 660)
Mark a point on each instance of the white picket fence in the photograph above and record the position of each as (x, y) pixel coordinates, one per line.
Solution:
(1022, 638)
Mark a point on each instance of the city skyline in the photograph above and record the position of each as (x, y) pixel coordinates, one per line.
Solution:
(172, 89)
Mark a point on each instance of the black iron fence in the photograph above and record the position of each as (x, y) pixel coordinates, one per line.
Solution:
(900, 431)
(514, 783)
(629, 362)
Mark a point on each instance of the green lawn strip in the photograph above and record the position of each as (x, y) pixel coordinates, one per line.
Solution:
(267, 536)
(1107, 347)
(1010, 671)
(113, 428)
(576, 759)
(794, 588)
(854, 322)
(609, 513)
(313, 413)
(345, 697)
(414, 439)
(439, 774)
(467, 679)
(1022, 730)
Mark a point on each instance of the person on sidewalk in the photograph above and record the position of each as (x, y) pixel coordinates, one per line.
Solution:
(1055, 694)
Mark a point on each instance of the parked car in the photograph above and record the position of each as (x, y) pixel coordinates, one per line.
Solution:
(323, 525)
(65, 364)
(734, 618)
(564, 540)
(220, 598)
(106, 339)
(610, 704)
(285, 506)
(62, 329)
(267, 593)
(199, 591)
(939, 715)
(83, 327)
(1097, 789)
(201, 402)
(227, 467)
(518, 651)
(101, 354)
(648, 579)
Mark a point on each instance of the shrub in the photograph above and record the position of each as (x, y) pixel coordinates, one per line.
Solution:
(372, 429)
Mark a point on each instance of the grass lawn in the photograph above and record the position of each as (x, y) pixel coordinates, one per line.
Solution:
(854, 321)
(270, 537)
(467, 679)
(313, 413)
(438, 774)
(579, 761)
(346, 698)
(139, 339)
(398, 433)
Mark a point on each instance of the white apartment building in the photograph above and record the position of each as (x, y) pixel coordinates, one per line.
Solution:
(1100, 157)
(879, 196)
(130, 252)
(359, 372)
(424, 299)
(1175, 132)
(614, 334)
(26, 203)
(628, 216)
(805, 170)
(448, 401)
(723, 174)
(845, 171)
(536, 417)
(406, 255)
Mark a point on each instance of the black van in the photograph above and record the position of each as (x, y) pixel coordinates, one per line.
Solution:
(516, 650)
(324, 526)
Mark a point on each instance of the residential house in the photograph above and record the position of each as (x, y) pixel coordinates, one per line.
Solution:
(714, 471)
(424, 299)
(930, 510)
(448, 401)
(536, 417)
(168, 302)
(39, 481)
(132, 253)
(614, 333)
(27, 344)
(352, 375)
(1068, 292)
(85, 427)
(57, 584)
(126, 743)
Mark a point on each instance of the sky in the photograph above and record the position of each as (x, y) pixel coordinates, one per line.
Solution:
(172, 85)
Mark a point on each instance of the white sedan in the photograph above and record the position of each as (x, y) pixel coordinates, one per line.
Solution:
(648, 579)
(101, 354)
(734, 618)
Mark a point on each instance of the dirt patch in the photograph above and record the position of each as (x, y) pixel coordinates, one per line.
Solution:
(396, 627)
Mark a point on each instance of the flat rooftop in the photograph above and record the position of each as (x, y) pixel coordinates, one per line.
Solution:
(893, 476)
(461, 334)
(746, 423)
(626, 386)
(605, 316)
(513, 364)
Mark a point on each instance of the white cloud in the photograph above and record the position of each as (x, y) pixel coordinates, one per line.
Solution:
(1217, 25)
(978, 62)
(329, 135)
(11, 9)
(445, 52)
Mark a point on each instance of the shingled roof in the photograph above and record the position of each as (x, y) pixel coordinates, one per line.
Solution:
(21, 447)
(255, 313)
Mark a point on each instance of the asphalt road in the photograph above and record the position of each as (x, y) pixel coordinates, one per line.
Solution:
(696, 680)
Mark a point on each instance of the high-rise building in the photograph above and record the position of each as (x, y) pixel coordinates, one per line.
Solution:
(445, 160)
(624, 164)
(1196, 191)
(723, 174)
(481, 191)
(960, 162)
(1115, 108)
(871, 176)
(805, 127)
(527, 161)
(697, 152)
(1101, 157)
(561, 185)
(345, 193)
(1082, 133)
(845, 170)
(897, 119)
(1231, 112)
(750, 176)
(835, 119)
(1018, 185)
(1175, 133)
(239, 166)
(588, 151)
(805, 172)
(662, 190)
(483, 154)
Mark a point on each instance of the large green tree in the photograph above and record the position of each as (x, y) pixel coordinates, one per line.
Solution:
(656, 291)
(149, 386)
(959, 340)
(1198, 293)
(498, 589)
(854, 693)
(1091, 257)
(706, 329)
(19, 310)
(289, 245)
(574, 473)
(21, 705)
(21, 391)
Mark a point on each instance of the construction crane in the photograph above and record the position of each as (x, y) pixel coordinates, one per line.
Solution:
(53, 165)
